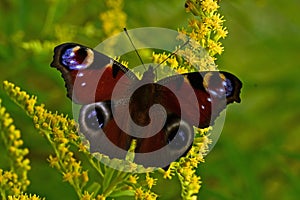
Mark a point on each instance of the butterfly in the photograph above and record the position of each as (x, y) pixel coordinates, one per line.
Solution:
(118, 107)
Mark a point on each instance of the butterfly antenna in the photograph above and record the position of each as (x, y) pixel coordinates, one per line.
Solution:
(173, 53)
(134, 48)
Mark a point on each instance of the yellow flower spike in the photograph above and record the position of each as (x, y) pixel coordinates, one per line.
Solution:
(207, 26)
(114, 19)
(24, 197)
(16, 178)
(30, 103)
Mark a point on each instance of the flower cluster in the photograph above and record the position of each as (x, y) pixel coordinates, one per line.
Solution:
(25, 197)
(201, 39)
(62, 134)
(114, 19)
(143, 189)
(200, 46)
(59, 131)
(15, 180)
(185, 168)
(190, 181)
(207, 28)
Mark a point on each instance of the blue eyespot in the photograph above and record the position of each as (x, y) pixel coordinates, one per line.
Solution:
(76, 58)
(228, 87)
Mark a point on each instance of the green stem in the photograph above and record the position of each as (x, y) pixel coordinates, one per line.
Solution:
(3, 195)
(113, 184)
(97, 167)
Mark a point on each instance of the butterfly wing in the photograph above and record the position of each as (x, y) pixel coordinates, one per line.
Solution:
(89, 75)
(90, 78)
(200, 96)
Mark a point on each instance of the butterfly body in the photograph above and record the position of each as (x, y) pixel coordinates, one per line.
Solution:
(118, 107)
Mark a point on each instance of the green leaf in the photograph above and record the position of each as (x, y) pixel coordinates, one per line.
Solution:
(107, 178)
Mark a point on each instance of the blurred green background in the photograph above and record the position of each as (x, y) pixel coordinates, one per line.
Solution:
(258, 153)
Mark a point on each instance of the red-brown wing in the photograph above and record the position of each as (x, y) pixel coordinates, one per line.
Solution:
(89, 75)
(198, 97)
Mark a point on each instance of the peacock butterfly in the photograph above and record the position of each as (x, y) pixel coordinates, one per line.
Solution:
(118, 107)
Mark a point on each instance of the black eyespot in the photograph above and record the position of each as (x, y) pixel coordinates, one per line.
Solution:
(180, 135)
(180, 140)
(94, 116)
(95, 119)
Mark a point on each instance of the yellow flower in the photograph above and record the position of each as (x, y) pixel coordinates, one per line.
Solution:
(215, 47)
(139, 193)
(100, 197)
(173, 63)
(68, 176)
(149, 196)
(86, 196)
(53, 161)
(150, 181)
(170, 172)
(209, 5)
(133, 179)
